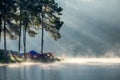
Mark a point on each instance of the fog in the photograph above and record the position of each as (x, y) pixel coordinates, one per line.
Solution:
(91, 28)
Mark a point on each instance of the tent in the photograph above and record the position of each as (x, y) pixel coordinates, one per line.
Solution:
(32, 54)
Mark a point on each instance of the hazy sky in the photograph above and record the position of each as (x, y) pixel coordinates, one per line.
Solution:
(91, 27)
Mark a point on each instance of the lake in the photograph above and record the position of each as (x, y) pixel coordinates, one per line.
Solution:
(82, 69)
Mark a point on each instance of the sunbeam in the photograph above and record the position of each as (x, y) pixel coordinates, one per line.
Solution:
(91, 27)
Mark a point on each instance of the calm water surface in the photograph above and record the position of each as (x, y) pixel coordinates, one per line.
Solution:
(60, 71)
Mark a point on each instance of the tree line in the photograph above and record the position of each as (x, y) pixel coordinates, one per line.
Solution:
(18, 17)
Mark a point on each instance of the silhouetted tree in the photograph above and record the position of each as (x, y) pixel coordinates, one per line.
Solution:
(7, 14)
(29, 16)
(50, 20)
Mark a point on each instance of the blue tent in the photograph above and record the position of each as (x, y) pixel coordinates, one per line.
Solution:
(32, 52)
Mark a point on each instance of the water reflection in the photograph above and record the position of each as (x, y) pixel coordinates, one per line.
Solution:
(3, 73)
(54, 72)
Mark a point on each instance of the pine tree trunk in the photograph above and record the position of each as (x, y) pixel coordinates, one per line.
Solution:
(24, 35)
(4, 28)
(42, 37)
(42, 40)
(19, 44)
(24, 41)
(5, 46)
(0, 25)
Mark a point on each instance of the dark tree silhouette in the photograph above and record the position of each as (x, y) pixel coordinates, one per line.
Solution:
(50, 20)
(7, 14)
(29, 16)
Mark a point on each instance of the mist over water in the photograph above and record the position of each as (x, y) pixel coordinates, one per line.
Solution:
(69, 69)
(91, 28)
(90, 45)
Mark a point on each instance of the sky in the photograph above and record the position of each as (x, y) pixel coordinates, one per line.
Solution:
(91, 28)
